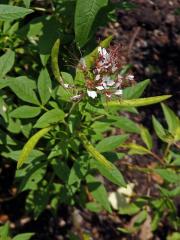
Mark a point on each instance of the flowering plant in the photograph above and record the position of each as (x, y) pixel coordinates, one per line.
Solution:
(105, 77)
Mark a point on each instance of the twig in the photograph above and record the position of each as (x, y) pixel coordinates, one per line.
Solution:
(135, 34)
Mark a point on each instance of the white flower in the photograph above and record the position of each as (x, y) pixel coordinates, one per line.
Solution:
(108, 94)
(100, 88)
(121, 198)
(118, 92)
(98, 76)
(107, 81)
(130, 77)
(103, 53)
(76, 97)
(83, 63)
(92, 94)
(114, 68)
(4, 108)
(120, 78)
(66, 85)
(127, 191)
(119, 81)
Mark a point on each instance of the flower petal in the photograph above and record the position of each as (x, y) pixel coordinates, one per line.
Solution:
(100, 88)
(92, 94)
(118, 92)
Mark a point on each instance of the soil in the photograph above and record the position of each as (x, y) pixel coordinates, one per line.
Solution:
(151, 31)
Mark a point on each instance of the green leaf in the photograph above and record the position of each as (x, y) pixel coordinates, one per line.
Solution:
(6, 139)
(4, 231)
(160, 131)
(44, 86)
(170, 193)
(34, 154)
(137, 102)
(78, 171)
(67, 78)
(54, 61)
(155, 221)
(61, 169)
(171, 118)
(6, 62)
(94, 207)
(168, 175)
(129, 209)
(140, 218)
(64, 94)
(23, 87)
(177, 134)
(106, 168)
(27, 3)
(10, 13)
(110, 143)
(3, 83)
(29, 146)
(109, 170)
(25, 112)
(174, 236)
(85, 14)
(136, 149)
(34, 174)
(40, 197)
(99, 192)
(23, 236)
(50, 117)
(135, 91)
(125, 124)
(146, 137)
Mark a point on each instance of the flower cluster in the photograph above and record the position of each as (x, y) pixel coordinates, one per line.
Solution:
(105, 77)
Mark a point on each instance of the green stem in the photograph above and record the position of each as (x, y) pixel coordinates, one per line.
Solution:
(98, 117)
(44, 108)
(167, 150)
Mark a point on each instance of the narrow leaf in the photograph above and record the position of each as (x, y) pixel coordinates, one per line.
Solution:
(106, 168)
(99, 192)
(160, 131)
(171, 118)
(27, 3)
(136, 90)
(110, 143)
(50, 117)
(44, 86)
(136, 149)
(146, 137)
(54, 61)
(6, 62)
(9, 13)
(23, 236)
(137, 102)
(168, 175)
(29, 146)
(125, 124)
(4, 231)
